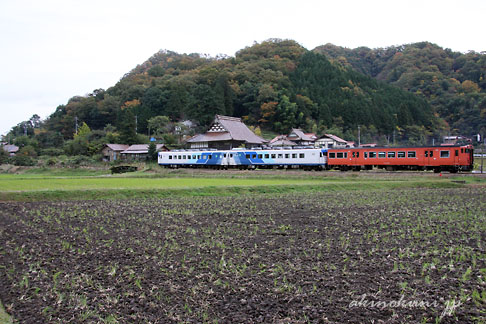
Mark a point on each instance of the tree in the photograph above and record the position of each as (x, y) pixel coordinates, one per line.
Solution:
(127, 128)
(152, 152)
(158, 125)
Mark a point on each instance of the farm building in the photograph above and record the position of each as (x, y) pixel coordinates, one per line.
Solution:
(226, 133)
(300, 138)
(281, 140)
(10, 149)
(332, 141)
(111, 152)
(140, 151)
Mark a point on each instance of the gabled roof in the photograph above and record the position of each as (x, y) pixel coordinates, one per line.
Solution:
(118, 147)
(226, 128)
(10, 148)
(334, 138)
(299, 134)
(141, 148)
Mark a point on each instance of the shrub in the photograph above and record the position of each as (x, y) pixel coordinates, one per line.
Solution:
(23, 160)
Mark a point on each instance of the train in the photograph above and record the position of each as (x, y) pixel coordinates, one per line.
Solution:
(432, 158)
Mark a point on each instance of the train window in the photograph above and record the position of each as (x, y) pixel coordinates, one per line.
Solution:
(411, 154)
(273, 156)
(401, 154)
(210, 157)
(180, 157)
(260, 156)
(294, 155)
(357, 154)
(346, 155)
(444, 154)
(170, 157)
(231, 155)
(248, 156)
(199, 157)
(426, 154)
(457, 153)
(301, 155)
(253, 156)
(224, 155)
(391, 154)
(381, 154)
(354, 154)
(372, 155)
(462, 150)
(320, 154)
(280, 156)
(184, 157)
(340, 155)
(332, 155)
(267, 156)
(365, 155)
(431, 153)
(287, 156)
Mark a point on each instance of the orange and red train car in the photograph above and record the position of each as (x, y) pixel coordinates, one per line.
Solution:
(436, 158)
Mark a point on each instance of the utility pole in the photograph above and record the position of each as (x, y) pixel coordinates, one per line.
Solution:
(359, 136)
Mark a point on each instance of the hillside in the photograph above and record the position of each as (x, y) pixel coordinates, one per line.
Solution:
(276, 85)
(453, 83)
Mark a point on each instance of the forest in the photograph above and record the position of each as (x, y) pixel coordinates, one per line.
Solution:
(410, 93)
(453, 83)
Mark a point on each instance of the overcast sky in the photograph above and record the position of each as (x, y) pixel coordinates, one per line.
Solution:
(52, 50)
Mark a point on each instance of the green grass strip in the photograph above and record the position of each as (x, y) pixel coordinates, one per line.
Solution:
(216, 190)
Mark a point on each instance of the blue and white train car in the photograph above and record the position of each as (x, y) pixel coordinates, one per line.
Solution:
(247, 158)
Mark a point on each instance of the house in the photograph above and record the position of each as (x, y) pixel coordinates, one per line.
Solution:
(111, 152)
(140, 151)
(300, 138)
(226, 133)
(10, 149)
(281, 140)
(332, 141)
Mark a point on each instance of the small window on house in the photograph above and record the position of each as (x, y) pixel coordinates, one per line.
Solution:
(301, 155)
(332, 155)
(381, 154)
(391, 154)
(444, 154)
(401, 154)
(411, 154)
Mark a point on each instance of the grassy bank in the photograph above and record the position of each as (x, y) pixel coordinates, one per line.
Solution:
(38, 189)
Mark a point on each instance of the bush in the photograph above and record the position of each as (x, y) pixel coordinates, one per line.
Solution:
(23, 160)
(52, 151)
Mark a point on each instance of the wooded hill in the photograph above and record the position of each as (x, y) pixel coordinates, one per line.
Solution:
(276, 85)
(453, 83)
